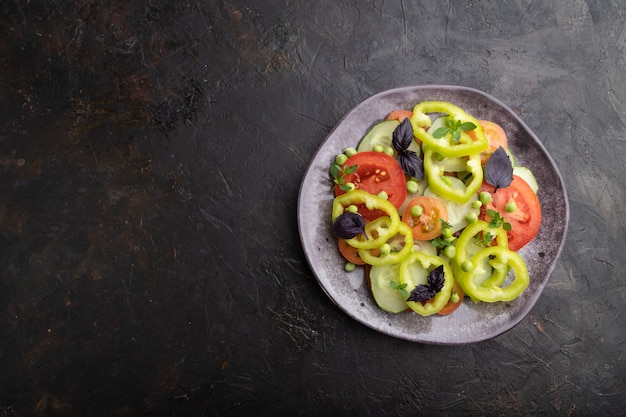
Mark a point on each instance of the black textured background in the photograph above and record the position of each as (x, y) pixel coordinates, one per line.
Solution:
(151, 153)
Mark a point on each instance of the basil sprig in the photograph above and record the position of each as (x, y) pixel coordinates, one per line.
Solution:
(401, 139)
(425, 292)
(454, 127)
(499, 170)
(349, 225)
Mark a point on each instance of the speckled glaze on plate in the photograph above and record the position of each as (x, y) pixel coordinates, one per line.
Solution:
(471, 322)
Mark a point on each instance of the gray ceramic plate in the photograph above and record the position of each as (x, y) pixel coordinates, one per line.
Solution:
(349, 291)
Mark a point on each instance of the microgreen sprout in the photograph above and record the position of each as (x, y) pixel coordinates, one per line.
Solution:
(338, 173)
(484, 239)
(446, 237)
(454, 128)
(401, 288)
(497, 220)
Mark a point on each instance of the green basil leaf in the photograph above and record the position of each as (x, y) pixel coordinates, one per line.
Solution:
(440, 132)
(467, 126)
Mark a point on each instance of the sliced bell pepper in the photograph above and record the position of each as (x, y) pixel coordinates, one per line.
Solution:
(372, 202)
(378, 257)
(437, 182)
(414, 271)
(463, 254)
(447, 146)
(493, 290)
(466, 248)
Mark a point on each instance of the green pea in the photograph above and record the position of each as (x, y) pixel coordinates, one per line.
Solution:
(353, 209)
(476, 204)
(349, 267)
(510, 207)
(412, 187)
(379, 148)
(383, 194)
(341, 159)
(467, 266)
(385, 249)
(417, 211)
(350, 151)
(454, 297)
(449, 251)
(471, 217)
(485, 197)
(389, 150)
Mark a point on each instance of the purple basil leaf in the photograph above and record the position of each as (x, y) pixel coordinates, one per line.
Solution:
(402, 136)
(499, 171)
(436, 279)
(421, 293)
(349, 225)
(411, 164)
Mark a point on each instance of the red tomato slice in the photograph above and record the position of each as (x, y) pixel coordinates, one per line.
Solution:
(350, 253)
(426, 226)
(400, 115)
(495, 136)
(526, 218)
(376, 172)
(450, 307)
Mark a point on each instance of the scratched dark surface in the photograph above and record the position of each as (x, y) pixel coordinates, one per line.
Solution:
(151, 154)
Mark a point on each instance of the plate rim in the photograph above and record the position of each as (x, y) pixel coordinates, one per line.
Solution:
(403, 90)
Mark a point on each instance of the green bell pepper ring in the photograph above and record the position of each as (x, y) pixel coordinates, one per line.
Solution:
(465, 238)
(472, 230)
(500, 258)
(372, 202)
(466, 248)
(446, 146)
(414, 271)
(436, 181)
(391, 257)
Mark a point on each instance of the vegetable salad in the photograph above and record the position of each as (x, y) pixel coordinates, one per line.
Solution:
(431, 204)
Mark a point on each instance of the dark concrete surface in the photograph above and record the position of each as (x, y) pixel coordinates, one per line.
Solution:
(151, 153)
